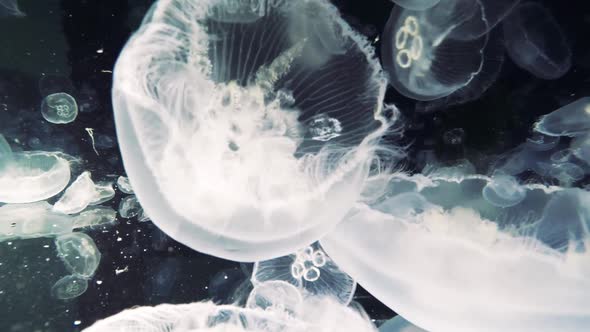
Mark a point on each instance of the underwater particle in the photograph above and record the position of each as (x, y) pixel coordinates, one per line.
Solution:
(324, 128)
(275, 295)
(233, 121)
(95, 216)
(455, 136)
(32, 220)
(90, 132)
(59, 108)
(503, 191)
(416, 4)
(399, 324)
(69, 287)
(536, 43)
(81, 193)
(32, 176)
(79, 254)
(570, 120)
(311, 271)
(129, 207)
(124, 185)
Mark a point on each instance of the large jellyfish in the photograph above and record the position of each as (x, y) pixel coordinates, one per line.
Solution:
(31, 176)
(535, 42)
(426, 59)
(218, 106)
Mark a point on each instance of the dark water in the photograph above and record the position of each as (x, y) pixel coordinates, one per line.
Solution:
(71, 46)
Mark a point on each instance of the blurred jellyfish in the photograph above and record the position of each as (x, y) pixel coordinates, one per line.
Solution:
(536, 43)
(580, 147)
(503, 191)
(455, 136)
(399, 324)
(10, 8)
(129, 207)
(59, 108)
(416, 4)
(124, 185)
(79, 254)
(247, 130)
(423, 56)
(162, 277)
(540, 142)
(310, 270)
(69, 287)
(32, 176)
(570, 120)
(566, 173)
(224, 287)
(96, 216)
(32, 220)
(315, 314)
(81, 193)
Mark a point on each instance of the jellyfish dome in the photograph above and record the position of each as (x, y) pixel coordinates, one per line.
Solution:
(246, 128)
(424, 55)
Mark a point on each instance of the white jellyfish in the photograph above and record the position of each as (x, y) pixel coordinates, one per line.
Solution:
(83, 192)
(69, 287)
(416, 4)
(399, 324)
(79, 254)
(503, 191)
(32, 220)
(215, 104)
(426, 60)
(32, 175)
(536, 43)
(124, 185)
(59, 108)
(310, 270)
(570, 120)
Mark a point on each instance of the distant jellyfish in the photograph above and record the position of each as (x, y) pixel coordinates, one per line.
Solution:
(310, 270)
(124, 185)
(79, 254)
(10, 8)
(422, 59)
(129, 207)
(455, 136)
(536, 43)
(484, 17)
(416, 4)
(399, 324)
(569, 120)
(32, 220)
(247, 130)
(566, 173)
(81, 193)
(162, 277)
(223, 286)
(59, 108)
(69, 287)
(32, 176)
(503, 191)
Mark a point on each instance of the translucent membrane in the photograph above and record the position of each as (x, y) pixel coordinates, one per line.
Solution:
(570, 120)
(416, 4)
(536, 43)
(69, 287)
(246, 129)
(310, 270)
(26, 221)
(424, 57)
(59, 108)
(32, 176)
(79, 253)
(437, 252)
(315, 314)
(83, 192)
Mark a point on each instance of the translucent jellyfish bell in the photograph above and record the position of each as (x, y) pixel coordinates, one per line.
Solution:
(59, 108)
(503, 191)
(570, 120)
(536, 43)
(79, 253)
(247, 136)
(69, 287)
(422, 59)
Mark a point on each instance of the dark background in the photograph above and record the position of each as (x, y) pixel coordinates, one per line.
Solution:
(54, 48)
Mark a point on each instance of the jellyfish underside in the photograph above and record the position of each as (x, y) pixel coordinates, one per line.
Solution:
(236, 123)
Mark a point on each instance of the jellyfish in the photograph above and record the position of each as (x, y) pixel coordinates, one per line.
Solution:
(81, 193)
(129, 207)
(275, 295)
(540, 142)
(570, 120)
(32, 176)
(580, 148)
(484, 17)
(247, 131)
(69, 287)
(124, 185)
(399, 324)
(79, 254)
(10, 8)
(416, 4)
(424, 58)
(314, 314)
(310, 270)
(59, 108)
(32, 220)
(536, 43)
(95, 216)
(503, 191)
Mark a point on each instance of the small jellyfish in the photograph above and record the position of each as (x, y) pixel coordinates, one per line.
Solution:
(69, 287)
(536, 43)
(566, 173)
(124, 185)
(32, 220)
(399, 324)
(309, 269)
(224, 285)
(570, 120)
(503, 191)
(416, 4)
(79, 254)
(96, 216)
(425, 63)
(32, 176)
(81, 193)
(59, 108)
(129, 207)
